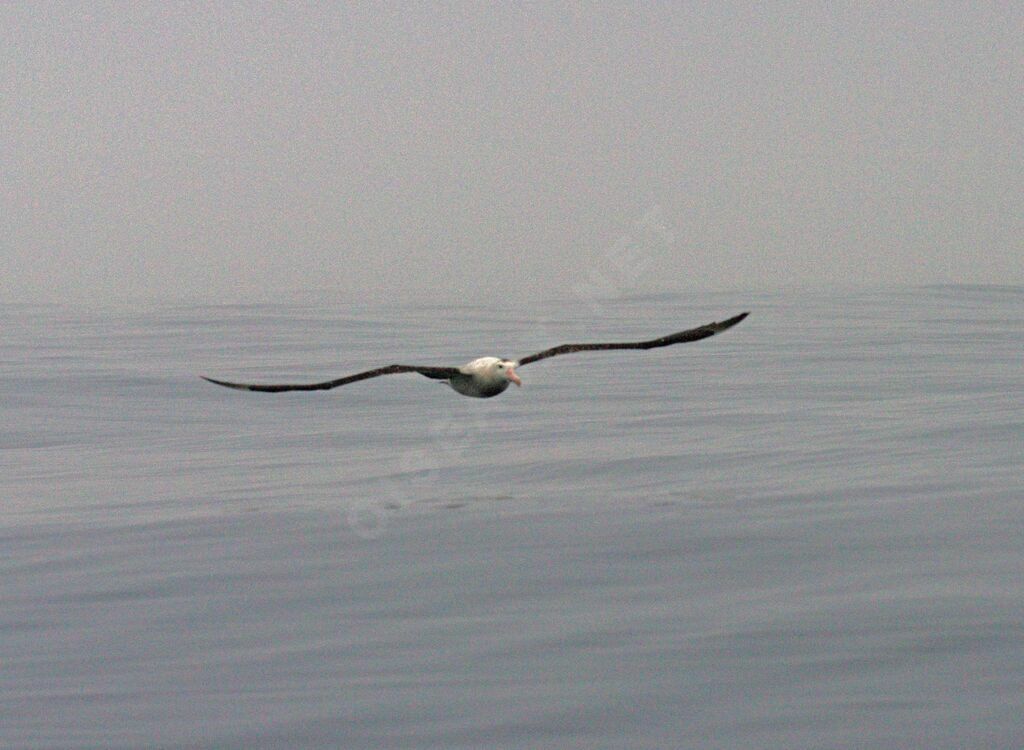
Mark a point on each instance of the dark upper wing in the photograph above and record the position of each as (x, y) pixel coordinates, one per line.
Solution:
(438, 373)
(694, 334)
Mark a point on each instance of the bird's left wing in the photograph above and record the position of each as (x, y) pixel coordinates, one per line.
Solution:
(437, 373)
(682, 337)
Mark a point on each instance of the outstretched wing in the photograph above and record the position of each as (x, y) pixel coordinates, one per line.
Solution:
(683, 337)
(437, 373)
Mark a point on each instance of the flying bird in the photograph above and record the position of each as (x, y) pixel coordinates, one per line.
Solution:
(489, 376)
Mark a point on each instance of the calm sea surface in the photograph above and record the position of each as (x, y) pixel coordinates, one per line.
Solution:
(805, 533)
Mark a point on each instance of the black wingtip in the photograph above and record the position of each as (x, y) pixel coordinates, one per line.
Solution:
(236, 386)
(731, 321)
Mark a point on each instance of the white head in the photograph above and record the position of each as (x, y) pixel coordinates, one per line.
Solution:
(494, 369)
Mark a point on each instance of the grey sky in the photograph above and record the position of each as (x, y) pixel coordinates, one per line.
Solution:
(234, 150)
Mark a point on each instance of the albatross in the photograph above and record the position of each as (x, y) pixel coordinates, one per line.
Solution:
(488, 376)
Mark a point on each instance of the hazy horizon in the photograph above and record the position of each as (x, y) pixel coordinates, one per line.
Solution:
(503, 152)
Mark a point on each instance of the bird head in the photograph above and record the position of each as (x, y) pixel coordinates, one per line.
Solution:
(493, 371)
(506, 368)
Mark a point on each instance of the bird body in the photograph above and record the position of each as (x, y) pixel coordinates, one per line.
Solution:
(485, 377)
(488, 376)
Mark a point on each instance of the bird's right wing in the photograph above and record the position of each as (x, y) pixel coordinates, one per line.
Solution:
(437, 373)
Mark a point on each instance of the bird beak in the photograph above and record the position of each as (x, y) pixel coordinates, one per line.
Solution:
(513, 377)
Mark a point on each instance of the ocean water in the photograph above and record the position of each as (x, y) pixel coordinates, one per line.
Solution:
(804, 533)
